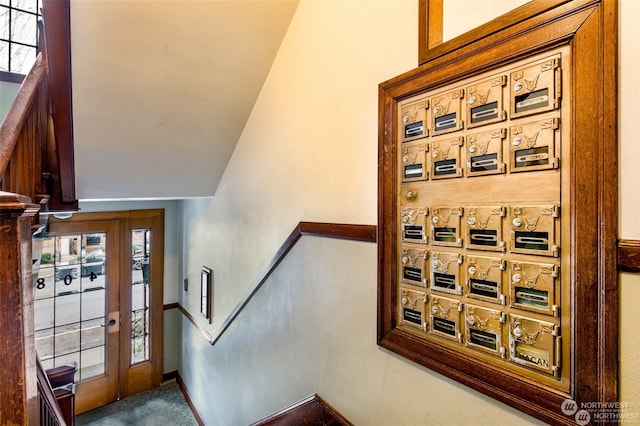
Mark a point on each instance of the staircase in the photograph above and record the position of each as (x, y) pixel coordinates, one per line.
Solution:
(36, 176)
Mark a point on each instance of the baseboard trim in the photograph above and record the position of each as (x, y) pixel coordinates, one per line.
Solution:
(176, 375)
(311, 410)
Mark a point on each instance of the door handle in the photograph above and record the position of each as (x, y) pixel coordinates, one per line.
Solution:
(109, 324)
(113, 322)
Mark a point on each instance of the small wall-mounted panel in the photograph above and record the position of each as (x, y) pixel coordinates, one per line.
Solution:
(485, 277)
(533, 145)
(534, 229)
(446, 112)
(484, 227)
(414, 162)
(414, 224)
(484, 153)
(533, 286)
(446, 226)
(445, 317)
(536, 87)
(485, 102)
(483, 329)
(413, 116)
(446, 272)
(445, 158)
(534, 344)
(413, 307)
(414, 266)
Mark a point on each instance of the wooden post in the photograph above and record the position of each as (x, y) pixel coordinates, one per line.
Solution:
(18, 394)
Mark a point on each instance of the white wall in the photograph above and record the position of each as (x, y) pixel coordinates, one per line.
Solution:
(171, 278)
(8, 93)
(309, 152)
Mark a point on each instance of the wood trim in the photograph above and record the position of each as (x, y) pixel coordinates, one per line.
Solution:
(57, 17)
(169, 306)
(330, 230)
(187, 397)
(307, 411)
(18, 114)
(590, 28)
(195, 323)
(629, 255)
(430, 25)
(19, 403)
(365, 233)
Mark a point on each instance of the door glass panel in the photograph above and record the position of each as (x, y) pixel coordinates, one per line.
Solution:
(140, 255)
(70, 303)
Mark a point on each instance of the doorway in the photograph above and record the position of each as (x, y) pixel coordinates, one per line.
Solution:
(98, 302)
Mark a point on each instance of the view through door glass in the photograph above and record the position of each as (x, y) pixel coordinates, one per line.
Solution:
(77, 320)
(70, 311)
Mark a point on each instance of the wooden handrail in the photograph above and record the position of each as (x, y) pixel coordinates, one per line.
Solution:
(50, 413)
(14, 122)
(365, 233)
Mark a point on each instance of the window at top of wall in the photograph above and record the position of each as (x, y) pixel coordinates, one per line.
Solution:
(18, 35)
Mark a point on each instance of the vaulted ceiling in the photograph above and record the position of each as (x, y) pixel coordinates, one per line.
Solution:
(162, 90)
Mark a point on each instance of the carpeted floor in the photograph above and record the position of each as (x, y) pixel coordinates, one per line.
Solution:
(164, 405)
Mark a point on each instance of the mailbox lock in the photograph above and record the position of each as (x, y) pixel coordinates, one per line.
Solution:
(517, 141)
(405, 300)
(436, 110)
(516, 278)
(434, 310)
(405, 158)
(471, 221)
(405, 259)
(405, 119)
(435, 220)
(517, 222)
(435, 154)
(471, 321)
(472, 100)
(517, 332)
(412, 195)
(472, 148)
(472, 270)
(517, 87)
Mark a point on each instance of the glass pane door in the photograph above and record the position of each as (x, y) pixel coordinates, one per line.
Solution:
(70, 303)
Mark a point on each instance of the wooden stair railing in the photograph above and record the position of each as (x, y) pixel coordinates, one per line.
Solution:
(36, 142)
(49, 410)
(36, 174)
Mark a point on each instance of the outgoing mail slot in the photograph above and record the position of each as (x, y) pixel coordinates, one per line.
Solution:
(446, 112)
(445, 272)
(445, 226)
(412, 308)
(445, 317)
(532, 145)
(445, 158)
(484, 153)
(414, 162)
(485, 278)
(533, 229)
(483, 329)
(484, 227)
(534, 286)
(414, 224)
(484, 102)
(413, 266)
(413, 116)
(536, 88)
(534, 344)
